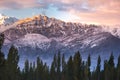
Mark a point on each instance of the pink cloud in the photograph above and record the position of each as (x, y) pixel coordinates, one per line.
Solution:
(18, 4)
(102, 12)
(89, 11)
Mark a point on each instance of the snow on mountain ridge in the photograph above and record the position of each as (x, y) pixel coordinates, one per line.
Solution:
(42, 18)
(39, 31)
(39, 26)
(114, 30)
(6, 20)
(33, 40)
(44, 36)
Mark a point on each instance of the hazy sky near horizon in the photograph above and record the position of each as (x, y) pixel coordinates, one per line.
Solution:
(85, 11)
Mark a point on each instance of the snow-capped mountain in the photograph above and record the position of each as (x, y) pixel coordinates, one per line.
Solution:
(44, 36)
(6, 20)
(114, 30)
(34, 40)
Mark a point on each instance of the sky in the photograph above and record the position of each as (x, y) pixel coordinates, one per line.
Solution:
(105, 12)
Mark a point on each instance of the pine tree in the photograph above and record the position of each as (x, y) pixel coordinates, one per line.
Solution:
(2, 66)
(52, 71)
(118, 69)
(26, 70)
(111, 67)
(12, 64)
(26, 66)
(118, 64)
(98, 68)
(53, 68)
(84, 70)
(77, 66)
(58, 66)
(63, 63)
(111, 61)
(89, 64)
(45, 72)
(63, 68)
(31, 72)
(34, 68)
(1, 40)
(70, 69)
(38, 68)
(106, 70)
(2, 59)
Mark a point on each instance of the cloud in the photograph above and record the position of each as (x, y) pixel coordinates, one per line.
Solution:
(89, 11)
(67, 5)
(18, 4)
(104, 12)
(99, 17)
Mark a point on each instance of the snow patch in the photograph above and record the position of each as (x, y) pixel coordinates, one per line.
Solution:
(114, 30)
(34, 40)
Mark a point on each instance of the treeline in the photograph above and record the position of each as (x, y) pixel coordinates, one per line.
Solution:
(72, 69)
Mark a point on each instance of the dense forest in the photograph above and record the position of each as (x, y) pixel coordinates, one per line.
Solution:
(72, 69)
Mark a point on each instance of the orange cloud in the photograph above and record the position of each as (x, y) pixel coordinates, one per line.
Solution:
(102, 12)
(89, 11)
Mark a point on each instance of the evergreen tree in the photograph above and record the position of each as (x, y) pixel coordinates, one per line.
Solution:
(111, 61)
(118, 64)
(1, 40)
(52, 71)
(98, 68)
(118, 69)
(63, 63)
(77, 66)
(58, 66)
(2, 59)
(89, 64)
(63, 68)
(84, 70)
(34, 66)
(39, 69)
(70, 69)
(2, 66)
(106, 70)
(31, 72)
(89, 60)
(12, 64)
(45, 72)
(26, 66)
(111, 67)
(26, 70)
(53, 68)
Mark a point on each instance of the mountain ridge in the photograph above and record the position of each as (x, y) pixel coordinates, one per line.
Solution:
(44, 37)
(50, 35)
(6, 20)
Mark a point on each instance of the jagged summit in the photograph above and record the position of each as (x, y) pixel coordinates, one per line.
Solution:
(1, 15)
(6, 20)
(2, 18)
(37, 18)
(25, 20)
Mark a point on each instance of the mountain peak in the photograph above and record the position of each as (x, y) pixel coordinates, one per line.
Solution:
(38, 18)
(6, 20)
(2, 14)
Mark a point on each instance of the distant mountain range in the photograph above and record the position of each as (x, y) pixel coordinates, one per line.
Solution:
(44, 36)
(5, 20)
